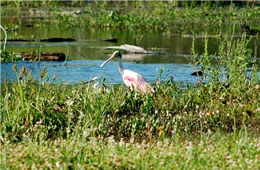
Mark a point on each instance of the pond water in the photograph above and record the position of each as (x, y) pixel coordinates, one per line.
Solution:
(88, 52)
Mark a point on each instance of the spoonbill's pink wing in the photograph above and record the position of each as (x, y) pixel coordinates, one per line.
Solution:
(136, 81)
(144, 86)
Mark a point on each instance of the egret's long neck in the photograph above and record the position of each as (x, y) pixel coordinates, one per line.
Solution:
(120, 66)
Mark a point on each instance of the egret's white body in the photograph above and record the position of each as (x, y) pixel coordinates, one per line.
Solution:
(96, 83)
(131, 79)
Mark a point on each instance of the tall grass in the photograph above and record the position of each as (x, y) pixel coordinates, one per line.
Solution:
(227, 99)
(212, 125)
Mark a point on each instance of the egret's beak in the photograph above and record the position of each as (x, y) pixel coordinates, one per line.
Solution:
(110, 58)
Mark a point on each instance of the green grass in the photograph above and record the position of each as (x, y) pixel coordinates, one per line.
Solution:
(168, 17)
(213, 125)
(159, 16)
(212, 151)
(6, 56)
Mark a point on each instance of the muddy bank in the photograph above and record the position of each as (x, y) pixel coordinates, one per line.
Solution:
(43, 56)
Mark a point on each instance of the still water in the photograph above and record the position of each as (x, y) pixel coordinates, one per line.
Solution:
(88, 52)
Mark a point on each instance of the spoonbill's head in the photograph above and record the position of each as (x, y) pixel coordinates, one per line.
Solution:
(114, 55)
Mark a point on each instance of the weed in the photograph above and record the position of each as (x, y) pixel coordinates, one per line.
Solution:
(56, 125)
(6, 56)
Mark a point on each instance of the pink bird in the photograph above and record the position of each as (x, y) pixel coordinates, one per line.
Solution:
(131, 79)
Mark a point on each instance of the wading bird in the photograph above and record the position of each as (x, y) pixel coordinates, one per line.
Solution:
(98, 84)
(131, 79)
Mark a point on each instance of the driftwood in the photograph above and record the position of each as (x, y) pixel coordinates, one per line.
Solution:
(131, 49)
(44, 56)
(133, 57)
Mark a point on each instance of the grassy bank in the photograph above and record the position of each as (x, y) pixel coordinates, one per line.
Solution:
(214, 124)
(159, 16)
(80, 3)
(212, 151)
(175, 17)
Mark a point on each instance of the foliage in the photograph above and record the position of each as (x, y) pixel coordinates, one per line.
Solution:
(211, 151)
(175, 17)
(225, 100)
(6, 56)
(158, 16)
(79, 125)
(79, 3)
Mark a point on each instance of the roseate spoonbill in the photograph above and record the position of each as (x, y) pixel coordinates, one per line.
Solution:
(131, 79)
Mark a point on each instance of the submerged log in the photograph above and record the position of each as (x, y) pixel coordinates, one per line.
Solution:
(44, 40)
(111, 40)
(58, 40)
(43, 56)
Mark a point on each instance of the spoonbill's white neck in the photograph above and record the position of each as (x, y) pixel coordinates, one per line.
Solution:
(120, 66)
(119, 56)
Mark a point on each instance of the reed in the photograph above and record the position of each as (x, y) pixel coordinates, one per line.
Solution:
(212, 125)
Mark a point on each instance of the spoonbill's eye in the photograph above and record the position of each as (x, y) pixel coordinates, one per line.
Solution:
(117, 53)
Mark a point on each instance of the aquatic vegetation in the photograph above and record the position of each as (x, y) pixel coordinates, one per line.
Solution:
(214, 125)
(158, 16)
(225, 101)
(176, 20)
(6, 56)
(47, 125)
(174, 17)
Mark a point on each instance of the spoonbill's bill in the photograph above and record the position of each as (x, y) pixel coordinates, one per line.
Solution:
(131, 79)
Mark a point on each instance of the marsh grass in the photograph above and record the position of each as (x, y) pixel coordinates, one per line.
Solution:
(158, 16)
(56, 125)
(227, 97)
(174, 17)
(9, 56)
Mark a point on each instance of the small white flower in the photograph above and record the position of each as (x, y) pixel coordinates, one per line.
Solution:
(132, 140)
(86, 133)
(58, 165)
(69, 102)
